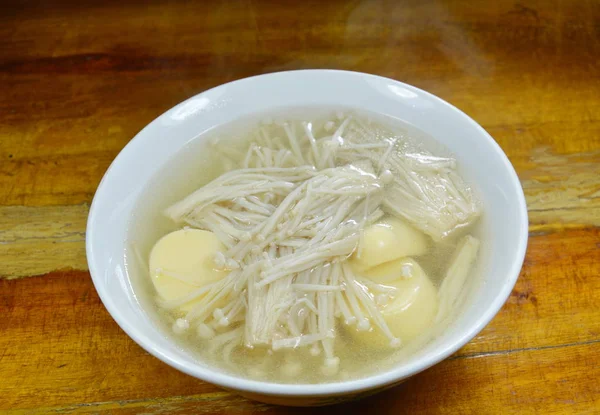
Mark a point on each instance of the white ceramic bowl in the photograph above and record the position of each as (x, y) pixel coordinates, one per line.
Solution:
(481, 158)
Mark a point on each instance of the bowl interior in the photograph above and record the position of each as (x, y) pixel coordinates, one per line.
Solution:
(482, 161)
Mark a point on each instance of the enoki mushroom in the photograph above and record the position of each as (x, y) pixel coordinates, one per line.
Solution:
(289, 213)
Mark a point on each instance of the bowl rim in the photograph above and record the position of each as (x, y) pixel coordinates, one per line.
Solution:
(377, 380)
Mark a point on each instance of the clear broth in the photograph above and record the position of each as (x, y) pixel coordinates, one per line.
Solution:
(195, 165)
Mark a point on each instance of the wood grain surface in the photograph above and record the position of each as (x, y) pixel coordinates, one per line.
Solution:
(78, 79)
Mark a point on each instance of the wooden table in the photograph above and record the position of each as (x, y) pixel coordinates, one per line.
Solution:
(80, 79)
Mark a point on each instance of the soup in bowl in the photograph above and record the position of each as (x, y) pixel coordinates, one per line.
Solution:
(307, 237)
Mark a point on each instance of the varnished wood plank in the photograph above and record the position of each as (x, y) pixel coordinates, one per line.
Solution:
(42, 168)
(507, 382)
(58, 323)
(34, 241)
(351, 24)
(550, 381)
(62, 162)
(104, 89)
(554, 299)
(79, 79)
(562, 191)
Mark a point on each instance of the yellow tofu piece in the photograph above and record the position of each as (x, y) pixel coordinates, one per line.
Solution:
(388, 240)
(183, 261)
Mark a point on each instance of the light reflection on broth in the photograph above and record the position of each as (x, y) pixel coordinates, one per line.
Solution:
(319, 245)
